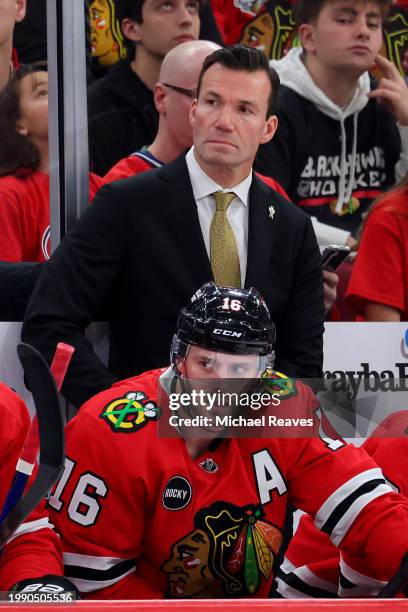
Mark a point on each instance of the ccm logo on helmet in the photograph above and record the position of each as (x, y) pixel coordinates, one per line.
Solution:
(227, 332)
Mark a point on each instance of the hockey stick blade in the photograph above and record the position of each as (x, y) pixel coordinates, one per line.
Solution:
(51, 431)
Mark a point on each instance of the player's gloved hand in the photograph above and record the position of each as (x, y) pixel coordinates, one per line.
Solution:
(53, 586)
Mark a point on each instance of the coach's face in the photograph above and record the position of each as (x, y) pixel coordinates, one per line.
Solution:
(230, 120)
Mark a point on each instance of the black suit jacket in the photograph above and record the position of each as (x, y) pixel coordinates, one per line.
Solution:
(136, 257)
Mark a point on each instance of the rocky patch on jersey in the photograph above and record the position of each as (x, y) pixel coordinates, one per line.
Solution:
(177, 493)
(228, 553)
(275, 382)
(130, 412)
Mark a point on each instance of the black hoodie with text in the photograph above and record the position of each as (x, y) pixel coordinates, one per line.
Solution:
(332, 161)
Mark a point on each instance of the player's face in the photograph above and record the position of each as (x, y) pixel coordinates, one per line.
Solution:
(229, 119)
(203, 370)
(166, 24)
(11, 11)
(33, 121)
(202, 363)
(347, 36)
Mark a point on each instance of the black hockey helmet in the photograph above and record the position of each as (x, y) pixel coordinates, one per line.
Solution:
(225, 319)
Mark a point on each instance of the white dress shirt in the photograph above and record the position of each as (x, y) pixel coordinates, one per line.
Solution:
(237, 212)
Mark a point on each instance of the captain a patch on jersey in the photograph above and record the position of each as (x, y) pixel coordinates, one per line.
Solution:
(130, 412)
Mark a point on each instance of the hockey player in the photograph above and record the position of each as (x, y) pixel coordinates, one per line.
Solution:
(32, 557)
(312, 566)
(201, 515)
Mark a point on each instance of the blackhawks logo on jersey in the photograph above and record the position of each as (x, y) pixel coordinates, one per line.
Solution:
(130, 412)
(277, 383)
(230, 551)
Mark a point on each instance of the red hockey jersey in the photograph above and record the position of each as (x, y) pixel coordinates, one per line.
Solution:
(313, 567)
(25, 216)
(34, 549)
(138, 517)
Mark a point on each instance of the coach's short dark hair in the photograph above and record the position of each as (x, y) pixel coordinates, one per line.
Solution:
(307, 11)
(238, 57)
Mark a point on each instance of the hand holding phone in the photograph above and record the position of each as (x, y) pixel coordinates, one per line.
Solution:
(333, 256)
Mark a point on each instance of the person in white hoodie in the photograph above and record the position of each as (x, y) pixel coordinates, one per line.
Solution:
(342, 139)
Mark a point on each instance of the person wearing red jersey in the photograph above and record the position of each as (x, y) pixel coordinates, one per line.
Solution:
(32, 555)
(198, 515)
(24, 179)
(378, 287)
(312, 565)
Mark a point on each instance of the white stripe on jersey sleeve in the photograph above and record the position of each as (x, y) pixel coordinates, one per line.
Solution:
(306, 577)
(288, 592)
(98, 563)
(364, 585)
(341, 494)
(350, 516)
(30, 527)
(90, 573)
(312, 580)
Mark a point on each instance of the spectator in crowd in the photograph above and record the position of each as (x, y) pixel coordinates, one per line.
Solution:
(338, 145)
(194, 511)
(270, 27)
(378, 288)
(24, 180)
(11, 11)
(108, 44)
(312, 566)
(153, 231)
(173, 94)
(34, 549)
(122, 116)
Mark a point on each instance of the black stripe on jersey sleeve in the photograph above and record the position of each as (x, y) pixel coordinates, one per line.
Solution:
(345, 583)
(342, 508)
(297, 583)
(87, 573)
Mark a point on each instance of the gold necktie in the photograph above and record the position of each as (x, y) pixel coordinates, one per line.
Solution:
(223, 247)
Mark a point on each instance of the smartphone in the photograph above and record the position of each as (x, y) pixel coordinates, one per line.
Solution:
(333, 256)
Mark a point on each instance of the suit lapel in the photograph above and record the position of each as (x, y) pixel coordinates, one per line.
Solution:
(182, 216)
(261, 231)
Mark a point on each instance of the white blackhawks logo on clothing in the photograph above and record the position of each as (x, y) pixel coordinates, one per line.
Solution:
(320, 175)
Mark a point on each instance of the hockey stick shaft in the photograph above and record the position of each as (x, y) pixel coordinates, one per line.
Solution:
(51, 433)
(26, 462)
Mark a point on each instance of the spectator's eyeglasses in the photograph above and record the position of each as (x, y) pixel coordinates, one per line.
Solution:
(190, 93)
